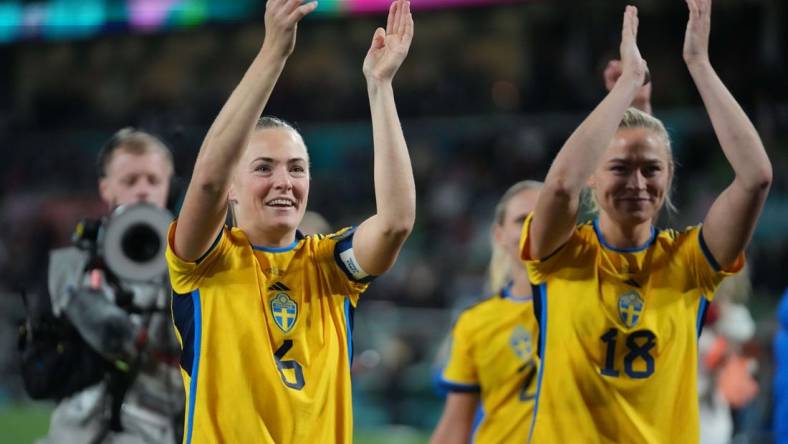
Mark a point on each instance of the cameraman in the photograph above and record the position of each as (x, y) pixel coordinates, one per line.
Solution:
(140, 397)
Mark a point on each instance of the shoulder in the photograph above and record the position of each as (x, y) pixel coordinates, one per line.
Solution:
(672, 239)
(476, 313)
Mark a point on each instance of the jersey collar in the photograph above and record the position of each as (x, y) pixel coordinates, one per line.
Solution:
(604, 243)
(299, 236)
(506, 293)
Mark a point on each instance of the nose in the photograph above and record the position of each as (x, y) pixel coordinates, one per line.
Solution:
(282, 179)
(637, 180)
(143, 193)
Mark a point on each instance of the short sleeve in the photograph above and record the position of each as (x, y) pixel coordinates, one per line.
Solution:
(460, 373)
(539, 271)
(186, 276)
(707, 273)
(335, 255)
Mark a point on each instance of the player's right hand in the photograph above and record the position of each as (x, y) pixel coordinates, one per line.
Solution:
(611, 74)
(281, 22)
(633, 67)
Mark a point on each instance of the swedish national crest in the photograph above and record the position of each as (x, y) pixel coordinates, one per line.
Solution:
(630, 308)
(284, 310)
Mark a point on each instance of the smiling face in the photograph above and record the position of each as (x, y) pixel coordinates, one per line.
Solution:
(633, 179)
(271, 184)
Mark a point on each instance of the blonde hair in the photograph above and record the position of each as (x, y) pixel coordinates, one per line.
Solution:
(135, 142)
(499, 271)
(635, 118)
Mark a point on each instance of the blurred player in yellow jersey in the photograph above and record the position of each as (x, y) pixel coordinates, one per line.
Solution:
(620, 303)
(490, 376)
(263, 313)
(493, 362)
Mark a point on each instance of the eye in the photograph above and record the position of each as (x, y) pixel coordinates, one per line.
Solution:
(651, 170)
(263, 168)
(298, 170)
(618, 169)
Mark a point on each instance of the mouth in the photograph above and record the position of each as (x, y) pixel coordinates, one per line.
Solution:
(634, 199)
(281, 203)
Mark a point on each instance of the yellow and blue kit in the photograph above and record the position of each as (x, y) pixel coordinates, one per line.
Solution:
(493, 353)
(266, 338)
(618, 336)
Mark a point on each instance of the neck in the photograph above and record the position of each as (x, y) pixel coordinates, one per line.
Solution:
(269, 238)
(621, 236)
(521, 286)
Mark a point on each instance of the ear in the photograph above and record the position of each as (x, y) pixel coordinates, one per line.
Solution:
(104, 191)
(497, 233)
(231, 194)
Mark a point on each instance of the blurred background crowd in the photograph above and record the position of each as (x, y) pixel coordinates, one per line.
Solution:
(487, 96)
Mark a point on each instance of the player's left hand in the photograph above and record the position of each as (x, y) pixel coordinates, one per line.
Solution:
(696, 39)
(390, 46)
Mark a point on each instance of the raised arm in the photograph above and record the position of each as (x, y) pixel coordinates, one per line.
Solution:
(556, 209)
(205, 205)
(378, 239)
(731, 220)
(642, 99)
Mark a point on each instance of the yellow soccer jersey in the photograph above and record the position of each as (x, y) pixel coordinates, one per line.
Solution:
(493, 352)
(618, 337)
(266, 338)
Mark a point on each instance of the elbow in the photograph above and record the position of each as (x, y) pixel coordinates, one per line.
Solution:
(399, 228)
(398, 231)
(760, 181)
(765, 178)
(559, 189)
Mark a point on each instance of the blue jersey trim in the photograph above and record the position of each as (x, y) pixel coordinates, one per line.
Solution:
(456, 387)
(212, 247)
(604, 243)
(183, 317)
(477, 421)
(506, 293)
(195, 364)
(350, 311)
(541, 295)
(277, 249)
(707, 253)
(703, 307)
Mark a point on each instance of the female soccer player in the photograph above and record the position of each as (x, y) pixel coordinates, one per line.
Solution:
(493, 345)
(620, 303)
(264, 314)
(493, 355)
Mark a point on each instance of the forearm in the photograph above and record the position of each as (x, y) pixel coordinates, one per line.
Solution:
(395, 189)
(230, 132)
(205, 204)
(578, 158)
(737, 136)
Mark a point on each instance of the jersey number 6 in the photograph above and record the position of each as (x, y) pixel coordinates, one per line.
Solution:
(289, 365)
